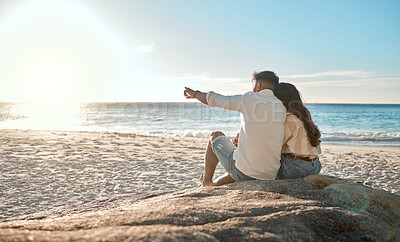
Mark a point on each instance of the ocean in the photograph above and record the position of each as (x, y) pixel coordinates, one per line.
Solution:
(355, 124)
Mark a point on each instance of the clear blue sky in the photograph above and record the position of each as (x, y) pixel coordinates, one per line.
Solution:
(333, 51)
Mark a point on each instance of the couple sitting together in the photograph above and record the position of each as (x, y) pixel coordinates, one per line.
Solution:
(277, 138)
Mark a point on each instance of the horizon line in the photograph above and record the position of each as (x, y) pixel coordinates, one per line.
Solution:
(120, 102)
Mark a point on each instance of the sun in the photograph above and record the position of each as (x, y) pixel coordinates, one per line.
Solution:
(48, 86)
(49, 83)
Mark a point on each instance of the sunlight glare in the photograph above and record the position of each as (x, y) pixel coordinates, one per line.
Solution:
(47, 116)
(59, 52)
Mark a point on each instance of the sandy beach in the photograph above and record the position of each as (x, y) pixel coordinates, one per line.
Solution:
(42, 170)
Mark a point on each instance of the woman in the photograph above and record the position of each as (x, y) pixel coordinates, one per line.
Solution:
(301, 143)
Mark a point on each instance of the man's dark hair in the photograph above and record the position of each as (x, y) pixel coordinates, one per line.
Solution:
(267, 76)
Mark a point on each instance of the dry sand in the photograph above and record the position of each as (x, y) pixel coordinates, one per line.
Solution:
(41, 170)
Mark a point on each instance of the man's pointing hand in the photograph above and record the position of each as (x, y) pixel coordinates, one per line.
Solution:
(189, 93)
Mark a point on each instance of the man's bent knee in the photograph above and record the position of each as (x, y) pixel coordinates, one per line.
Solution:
(215, 134)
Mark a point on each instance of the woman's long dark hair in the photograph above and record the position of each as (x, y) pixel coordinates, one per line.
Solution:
(290, 97)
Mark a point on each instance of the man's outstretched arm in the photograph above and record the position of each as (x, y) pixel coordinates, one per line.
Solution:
(201, 96)
(215, 100)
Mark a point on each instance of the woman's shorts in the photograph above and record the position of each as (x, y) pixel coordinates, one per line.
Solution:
(296, 168)
(223, 148)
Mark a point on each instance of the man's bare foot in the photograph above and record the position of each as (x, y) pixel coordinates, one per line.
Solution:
(205, 183)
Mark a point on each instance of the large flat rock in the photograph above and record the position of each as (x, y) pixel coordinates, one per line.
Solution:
(317, 208)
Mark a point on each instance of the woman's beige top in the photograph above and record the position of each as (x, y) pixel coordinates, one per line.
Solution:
(295, 139)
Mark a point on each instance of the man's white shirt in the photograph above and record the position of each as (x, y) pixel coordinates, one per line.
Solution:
(261, 133)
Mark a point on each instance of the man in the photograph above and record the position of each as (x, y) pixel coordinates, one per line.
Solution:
(260, 138)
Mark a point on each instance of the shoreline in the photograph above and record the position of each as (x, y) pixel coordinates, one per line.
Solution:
(42, 170)
(360, 147)
(323, 143)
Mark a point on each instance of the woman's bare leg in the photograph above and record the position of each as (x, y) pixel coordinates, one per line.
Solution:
(222, 180)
